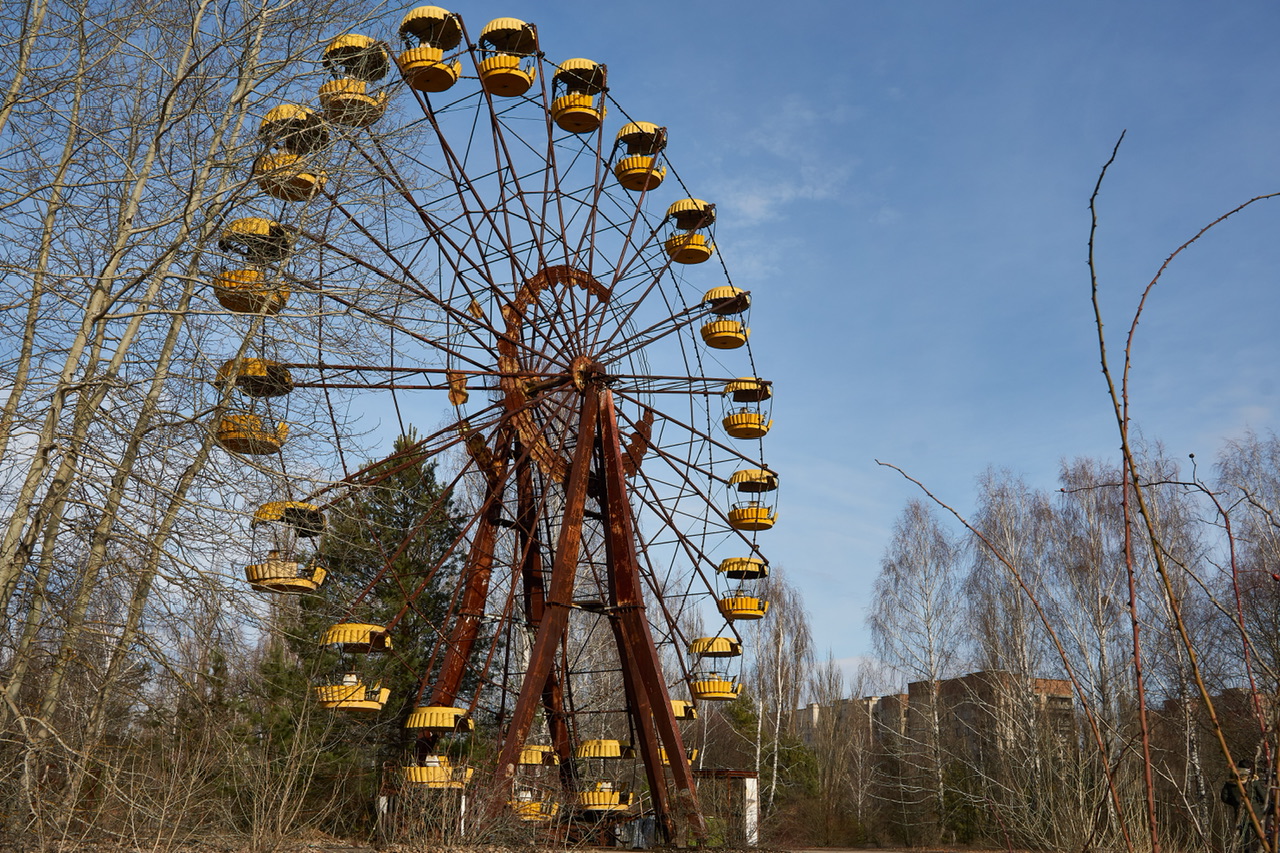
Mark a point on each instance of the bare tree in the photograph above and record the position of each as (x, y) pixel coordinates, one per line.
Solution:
(917, 627)
(1004, 630)
(128, 132)
(781, 656)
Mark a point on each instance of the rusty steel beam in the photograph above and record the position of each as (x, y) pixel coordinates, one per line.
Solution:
(559, 592)
(476, 575)
(530, 543)
(641, 713)
(619, 554)
(637, 639)
(466, 627)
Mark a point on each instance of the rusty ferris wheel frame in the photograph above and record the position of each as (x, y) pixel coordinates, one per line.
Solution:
(538, 284)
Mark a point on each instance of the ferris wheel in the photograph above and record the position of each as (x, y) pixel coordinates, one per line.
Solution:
(522, 255)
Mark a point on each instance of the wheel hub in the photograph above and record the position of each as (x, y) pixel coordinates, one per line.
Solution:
(586, 370)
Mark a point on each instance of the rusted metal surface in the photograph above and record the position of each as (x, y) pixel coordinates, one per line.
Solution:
(530, 544)
(559, 592)
(637, 640)
(475, 579)
(641, 714)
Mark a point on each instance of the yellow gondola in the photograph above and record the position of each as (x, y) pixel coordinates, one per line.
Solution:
(578, 107)
(257, 377)
(294, 128)
(743, 568)
(715, 647)
(277, 574)
(604, 749)
(428, 32)
(742, 607)
(440, 718)
(507, 45)
(639, 170)
(715, 689)
(287, 177)
(352, 695)
(687, 245)
(248, 291)
(248, 434)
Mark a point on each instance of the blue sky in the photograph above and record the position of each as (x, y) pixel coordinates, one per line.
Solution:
(903, 186)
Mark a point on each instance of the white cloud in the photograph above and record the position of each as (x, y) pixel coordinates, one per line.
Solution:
(804, 162)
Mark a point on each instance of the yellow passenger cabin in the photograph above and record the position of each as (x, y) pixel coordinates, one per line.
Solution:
(428, 33)
(357, 56)
(347, 101)
(746, 607)
(689, 217)
(256, 239)
(355, 61)
(507, 47)
(604, 749)
(287, 177)
(715, 647)
(248, 434)
(351, 694)
(357, 637)
(743, 568)
(247, 291)
(578, 86)
(639, 170)
(257, 377)
(440, 718)
(295, 129)
(749, 419)
(283, 523)
(277, 573)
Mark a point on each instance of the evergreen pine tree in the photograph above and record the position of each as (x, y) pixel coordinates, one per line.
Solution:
(371, 579)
